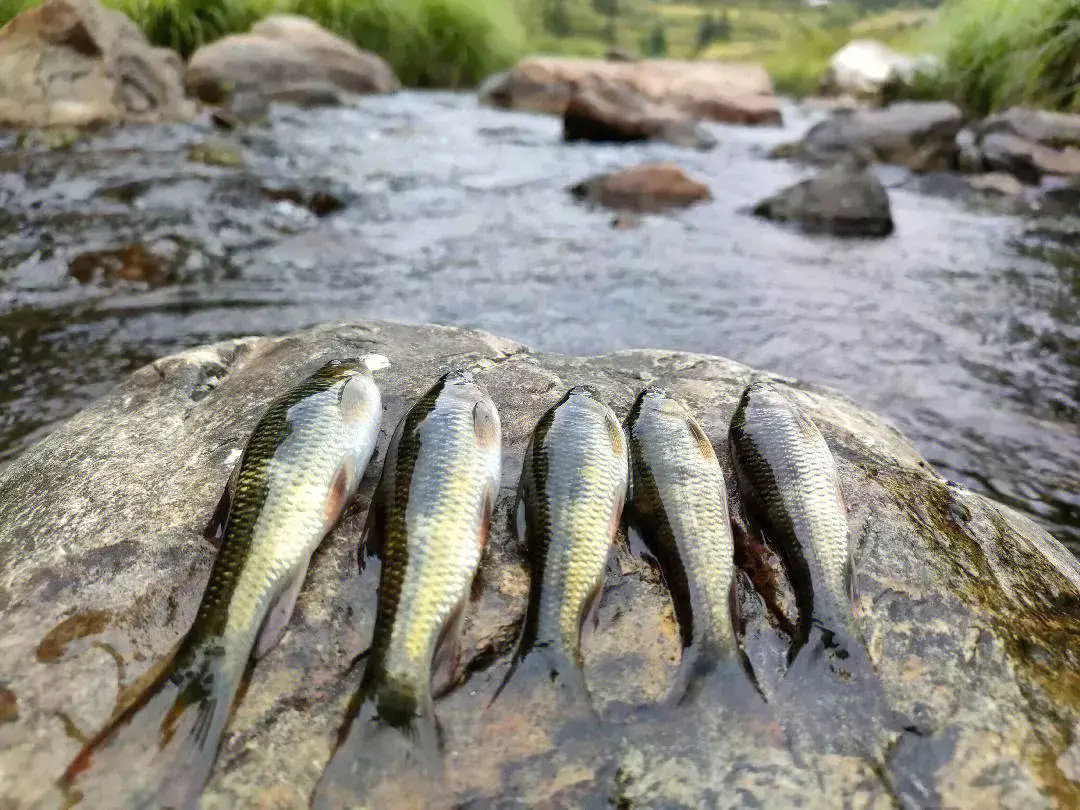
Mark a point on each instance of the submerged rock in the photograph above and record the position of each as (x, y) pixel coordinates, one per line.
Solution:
(919, 135)
(287, 58)
(970, 613)
(643, 188)
(76, 63)
(614, 113)
(846, 200)
(738, 93)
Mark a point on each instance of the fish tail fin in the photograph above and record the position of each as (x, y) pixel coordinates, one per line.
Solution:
(717, 668)
(544, 664)
(158, 751)
(382, 758)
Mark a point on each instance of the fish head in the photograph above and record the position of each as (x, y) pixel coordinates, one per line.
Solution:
(654, 402)
(460, 390)
(585, 402)
(764, 394)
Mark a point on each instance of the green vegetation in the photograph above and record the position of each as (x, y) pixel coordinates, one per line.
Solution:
(444, 43)
(429, 43)
(1003, 52)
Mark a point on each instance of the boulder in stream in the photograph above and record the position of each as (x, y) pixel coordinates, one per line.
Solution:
(919, 135)
(287, 58)
(648, 188)
(733, 92)
(969, 612)
(846, 200)
(78, 63)
(615, 113)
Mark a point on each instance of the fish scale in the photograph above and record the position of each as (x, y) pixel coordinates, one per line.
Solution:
(300, 465)
(789, 480)
(573, 488)
(441, 479)
(679, 503)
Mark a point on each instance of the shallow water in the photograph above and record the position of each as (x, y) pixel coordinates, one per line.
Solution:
(458, 214)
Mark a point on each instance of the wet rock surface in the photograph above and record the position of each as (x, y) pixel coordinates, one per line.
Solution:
(846, 200)
(614, 113)
(918, 135)
(970, 613)
(287, 58)
(731, 92)
(643, 189)
(76, 62)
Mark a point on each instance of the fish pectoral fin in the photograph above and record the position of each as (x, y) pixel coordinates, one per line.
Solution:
(446, 663)
(338, 496)
(277, 618)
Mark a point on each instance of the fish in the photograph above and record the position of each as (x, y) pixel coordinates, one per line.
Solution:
(678, 503)
(297, 471)
(434, 504)
(789, 484)
(572, 491)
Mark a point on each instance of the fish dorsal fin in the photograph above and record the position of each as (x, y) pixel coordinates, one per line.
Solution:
(281, 610)
(215, 529)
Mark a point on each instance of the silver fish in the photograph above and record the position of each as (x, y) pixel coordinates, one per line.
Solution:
(297, 472)
(789, 483)
(435, 499)
(573, 487)
(679, 505)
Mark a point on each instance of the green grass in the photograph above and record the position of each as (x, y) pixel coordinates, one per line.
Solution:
(999, 53)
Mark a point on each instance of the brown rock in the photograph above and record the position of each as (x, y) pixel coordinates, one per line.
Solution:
(617, 113)
(738, 93)
(289, 58)
(643, 188)
(76, 63)
(134, 262)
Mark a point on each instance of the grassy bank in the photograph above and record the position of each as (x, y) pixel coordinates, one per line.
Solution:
(444, 43)
(999, 53)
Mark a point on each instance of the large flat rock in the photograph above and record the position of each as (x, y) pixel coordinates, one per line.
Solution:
(970, 613)
(735, 92)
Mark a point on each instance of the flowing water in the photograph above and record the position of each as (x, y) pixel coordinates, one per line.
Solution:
(458, 214)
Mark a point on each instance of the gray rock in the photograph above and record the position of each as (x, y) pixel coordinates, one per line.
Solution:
(288, 58)
(76, 63)
(968, 610)
(846, 200)
(1028, 160)
(919, 135)
(1053, 129)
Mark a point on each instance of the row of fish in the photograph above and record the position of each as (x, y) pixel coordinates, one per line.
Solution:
(428, 526)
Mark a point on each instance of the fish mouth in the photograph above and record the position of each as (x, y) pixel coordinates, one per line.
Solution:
(587, 391)
(655, 397)
(340, 368)
(458, 376)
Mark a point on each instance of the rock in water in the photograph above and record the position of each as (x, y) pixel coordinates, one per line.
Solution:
(970, 612)
(614, 113)
(737, 93)
(643, 188)
(846, 200)
(75, 63)
(919, 135)
(288, 58)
